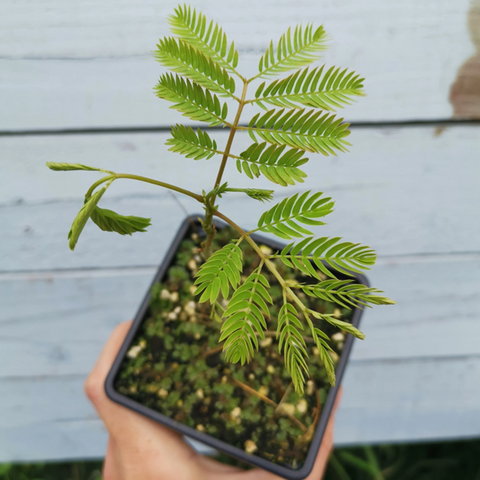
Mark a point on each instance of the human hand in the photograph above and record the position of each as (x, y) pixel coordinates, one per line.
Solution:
(141, 449)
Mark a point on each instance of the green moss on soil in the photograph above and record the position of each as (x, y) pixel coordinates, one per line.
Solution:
(170, 367)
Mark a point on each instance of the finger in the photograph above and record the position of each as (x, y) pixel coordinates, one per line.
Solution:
(111, 470)
(125, 425)
(326, 446)
(94, 384)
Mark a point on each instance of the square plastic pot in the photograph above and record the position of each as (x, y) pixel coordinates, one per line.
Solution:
(204, 438)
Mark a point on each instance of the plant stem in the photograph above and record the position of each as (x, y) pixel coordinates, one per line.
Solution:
(96, 184)
(207, 245)
(265, 258)
(197, 197)
(115, 176)
(210, 207)
(285, 395)
(273, 269)
(269, 401)
(233, 130)
(311, 429)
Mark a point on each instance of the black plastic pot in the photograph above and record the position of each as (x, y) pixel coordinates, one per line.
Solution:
(213, 442)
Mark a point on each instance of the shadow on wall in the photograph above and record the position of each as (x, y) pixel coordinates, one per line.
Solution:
(465, 92)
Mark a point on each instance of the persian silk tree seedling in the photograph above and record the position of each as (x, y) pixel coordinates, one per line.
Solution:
(298, 120)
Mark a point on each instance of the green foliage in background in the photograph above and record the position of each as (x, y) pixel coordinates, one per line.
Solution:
(297, 118)
(52, 471)
(424, 461)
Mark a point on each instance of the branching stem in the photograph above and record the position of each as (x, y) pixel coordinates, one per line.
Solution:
(210, 207)
(272, 268)
(96, 184)
(233, 130)
(269, 401)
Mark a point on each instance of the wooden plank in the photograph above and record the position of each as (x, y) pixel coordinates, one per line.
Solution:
(98, 61)
(68, 316)
(410, 400)
(401, 190)
(48, 418)
(383, 402)
(60, 330)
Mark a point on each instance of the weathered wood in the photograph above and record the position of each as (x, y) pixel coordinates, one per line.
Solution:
(56, 323)
(403, 382)
(400, 190)
(410, 400)
(98, 61)
(411, 193)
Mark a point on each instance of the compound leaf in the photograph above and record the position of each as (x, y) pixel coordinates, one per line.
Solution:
(193, 28)
(245, 318)
(344, 257)
(83, 216)
(284, 218)
(294, 50)
(310, 130)
(110, 221)
(347, 293)
(312, 88)
(222, 269)
(186, 60)
(275, 165)
(59, 167)
(293, 345)
(197, 145)
(191, 99)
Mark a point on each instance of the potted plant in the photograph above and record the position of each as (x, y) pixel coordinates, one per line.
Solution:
(239, 339)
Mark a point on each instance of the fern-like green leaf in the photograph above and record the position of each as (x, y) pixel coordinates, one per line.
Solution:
(82, 217)
(269, 162)
(345, 326)
(196, 145)
(245, 318)
(328, 91)
(347, 293)
(191, 99)
(284, 218)
(218, 273)
(259, 194)
(193, 28)
(62, 167)
(308, 130)
(324, 348)
(345, 257)
(294, 50)
(293, 345)
(190, 62)
(110, 221)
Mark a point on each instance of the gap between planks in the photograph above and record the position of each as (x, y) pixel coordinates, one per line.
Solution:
(441, 122)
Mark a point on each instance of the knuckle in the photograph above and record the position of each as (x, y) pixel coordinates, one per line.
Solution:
(93, 388)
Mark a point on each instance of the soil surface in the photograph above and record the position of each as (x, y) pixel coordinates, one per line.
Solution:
(175, 366)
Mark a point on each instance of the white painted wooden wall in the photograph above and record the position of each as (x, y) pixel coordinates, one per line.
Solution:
(410, 188)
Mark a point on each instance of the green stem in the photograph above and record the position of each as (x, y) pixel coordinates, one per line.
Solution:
(96, 184)
(197, 197)
(116, 176)
(269, 264)
(209, 227)
(210, 209)
(231, 136)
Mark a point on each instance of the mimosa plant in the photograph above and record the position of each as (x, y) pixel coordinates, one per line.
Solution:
(204, 66)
